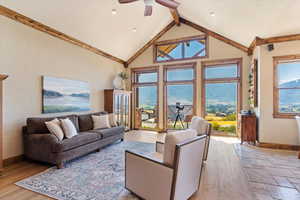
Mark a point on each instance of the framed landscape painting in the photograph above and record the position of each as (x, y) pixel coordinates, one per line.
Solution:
(64, 95)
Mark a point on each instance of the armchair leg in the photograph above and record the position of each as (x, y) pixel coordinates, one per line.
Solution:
(60, 165)
(98, 150)
(299, 155)
(122, 139)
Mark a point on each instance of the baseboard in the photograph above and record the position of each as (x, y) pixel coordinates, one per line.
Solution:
(12, 160)
(279, 146)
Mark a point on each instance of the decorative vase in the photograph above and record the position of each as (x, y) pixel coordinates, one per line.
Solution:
(118, 83)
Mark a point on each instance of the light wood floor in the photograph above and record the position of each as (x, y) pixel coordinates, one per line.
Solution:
(222, 179)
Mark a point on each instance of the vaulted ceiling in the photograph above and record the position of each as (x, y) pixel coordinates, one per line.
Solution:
(92, 21)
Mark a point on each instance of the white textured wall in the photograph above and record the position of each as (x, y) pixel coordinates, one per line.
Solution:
(274, 130)
(217, 50)
(26, 55)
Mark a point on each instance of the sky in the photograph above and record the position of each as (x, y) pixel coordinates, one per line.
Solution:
(65, 86)
(288, 72)
(218, 93)
(189, 50)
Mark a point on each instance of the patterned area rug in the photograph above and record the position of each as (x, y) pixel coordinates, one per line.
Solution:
(272, 175)
(97, 176)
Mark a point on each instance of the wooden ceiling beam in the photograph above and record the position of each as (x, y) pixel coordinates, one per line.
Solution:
(150, 43)
(55, 33)
(261, 41)
(3, 77)
(278, 39)
(214, 34)
(176, 16)
(257, 41)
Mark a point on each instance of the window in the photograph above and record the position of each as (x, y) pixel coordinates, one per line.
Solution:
(181, 49)
(179, 84)
(286, 86)
(221, 94)
(145, 91)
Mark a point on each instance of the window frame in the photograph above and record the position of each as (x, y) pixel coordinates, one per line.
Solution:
(238, 80)
(177, 41)
(135, 85)
(277, 60)
(166, 83)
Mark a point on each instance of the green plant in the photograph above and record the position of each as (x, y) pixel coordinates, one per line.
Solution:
(230, 129)
(123, 75)
(230, 117)
(215, 125)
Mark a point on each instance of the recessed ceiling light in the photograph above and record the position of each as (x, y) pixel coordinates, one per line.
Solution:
(212, 14)
(114, 11)
(134, 30)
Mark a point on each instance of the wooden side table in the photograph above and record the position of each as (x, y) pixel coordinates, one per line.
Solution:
(247, 128)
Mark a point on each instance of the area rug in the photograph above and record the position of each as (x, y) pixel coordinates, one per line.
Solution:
(97, 176)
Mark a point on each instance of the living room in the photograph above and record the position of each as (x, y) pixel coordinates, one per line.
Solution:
(153, 99)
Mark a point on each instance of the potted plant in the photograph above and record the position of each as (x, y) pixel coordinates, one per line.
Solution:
(120, 81)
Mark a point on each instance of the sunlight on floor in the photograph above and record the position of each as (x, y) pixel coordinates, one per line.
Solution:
(152, 137)
(228, 140)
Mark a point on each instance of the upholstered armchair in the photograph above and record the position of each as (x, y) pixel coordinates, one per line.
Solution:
(175, 177)
(201, 127)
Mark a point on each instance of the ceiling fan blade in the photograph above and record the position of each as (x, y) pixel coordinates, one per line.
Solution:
(148, 10)
(168, 3)
(127, 1)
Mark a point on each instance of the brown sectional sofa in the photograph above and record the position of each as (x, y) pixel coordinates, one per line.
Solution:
(42, 146)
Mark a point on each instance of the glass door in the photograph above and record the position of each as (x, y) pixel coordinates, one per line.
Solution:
(221, 96)
(145, 84)
(146, 104)
(179, 93)
(180, 105)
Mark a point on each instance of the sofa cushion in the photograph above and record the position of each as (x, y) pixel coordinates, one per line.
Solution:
(109, 131)
(86, 122)
(37, 124)
(76, 141)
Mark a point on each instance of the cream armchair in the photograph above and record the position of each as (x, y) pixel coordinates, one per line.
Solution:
(176, 177)
(201, 127)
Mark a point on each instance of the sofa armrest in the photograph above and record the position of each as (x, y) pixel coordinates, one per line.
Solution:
(40, 146)
(159, 147)
(146, 177)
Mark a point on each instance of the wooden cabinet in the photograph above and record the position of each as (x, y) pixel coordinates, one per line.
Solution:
(247, 128)
(118, 102)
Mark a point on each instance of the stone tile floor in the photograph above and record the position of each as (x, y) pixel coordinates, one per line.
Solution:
(272, 174)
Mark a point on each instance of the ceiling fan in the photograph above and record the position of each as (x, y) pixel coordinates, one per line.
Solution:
(149, 3)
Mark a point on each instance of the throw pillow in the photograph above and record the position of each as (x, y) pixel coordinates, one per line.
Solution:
(55, 128)
(112, 120)
(68, 127)
(101, 121)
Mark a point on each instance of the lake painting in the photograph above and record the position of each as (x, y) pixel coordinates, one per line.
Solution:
(64, 95)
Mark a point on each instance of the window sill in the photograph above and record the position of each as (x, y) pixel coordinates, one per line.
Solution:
(285, 116)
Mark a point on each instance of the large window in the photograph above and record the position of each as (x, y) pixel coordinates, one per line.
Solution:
(145, 91)
(286, 86)
(181, 49)
(221, 94)
(179, 81)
